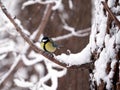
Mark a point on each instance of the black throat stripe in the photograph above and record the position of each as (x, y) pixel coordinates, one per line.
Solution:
(44, 46)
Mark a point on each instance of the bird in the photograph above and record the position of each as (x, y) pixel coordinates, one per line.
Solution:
(48, 45)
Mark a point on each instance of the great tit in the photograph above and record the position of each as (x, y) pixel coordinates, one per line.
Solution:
(48, 45)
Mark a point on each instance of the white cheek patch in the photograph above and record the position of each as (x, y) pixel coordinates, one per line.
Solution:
(44, 40)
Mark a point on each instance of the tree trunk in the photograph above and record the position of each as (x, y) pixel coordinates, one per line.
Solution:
(105, 46)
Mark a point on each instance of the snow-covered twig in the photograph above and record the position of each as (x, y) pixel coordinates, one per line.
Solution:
(12, 69)
(70, 4)
(111, 14)
(56, 3)
(80, 33)
(51, 76)
(73, 32)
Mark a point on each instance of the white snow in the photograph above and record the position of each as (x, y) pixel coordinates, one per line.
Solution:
(115, 9)
(53, 75)
(22, 75)
(36, 58)
(72, 30)
(76, 59)
(17, 21)
(6, 45)
(12, 5)
(40, 69)
(29, 2)
(70, 4)
(118, 37)
(100, 67)
(22, 83)
(103, 44)
(79, 33)
(17, 59)
(58, 3)
(111, 3)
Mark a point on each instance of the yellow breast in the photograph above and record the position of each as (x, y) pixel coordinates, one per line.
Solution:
(42, 45)
(48, 47)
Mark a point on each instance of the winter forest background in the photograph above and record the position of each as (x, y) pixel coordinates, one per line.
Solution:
(88, 30)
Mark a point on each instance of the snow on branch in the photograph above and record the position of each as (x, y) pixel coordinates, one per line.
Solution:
(76, 59)
(72, 30)
(70, 4)
(14, 66)
(57, 3)
(111, 14)
(50, 75)
(79, 33)
(34, 47)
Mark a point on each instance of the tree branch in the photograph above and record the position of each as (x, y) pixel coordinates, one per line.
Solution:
(111, 14)
(35, 48)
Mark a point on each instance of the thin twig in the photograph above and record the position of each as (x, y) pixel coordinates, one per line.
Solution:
(9, 75)
(83, 33)
(111, 14)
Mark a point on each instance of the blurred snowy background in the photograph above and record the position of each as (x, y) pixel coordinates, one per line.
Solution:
(68, 24)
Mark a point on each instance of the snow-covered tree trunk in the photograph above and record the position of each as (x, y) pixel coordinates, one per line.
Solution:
(105, 45)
